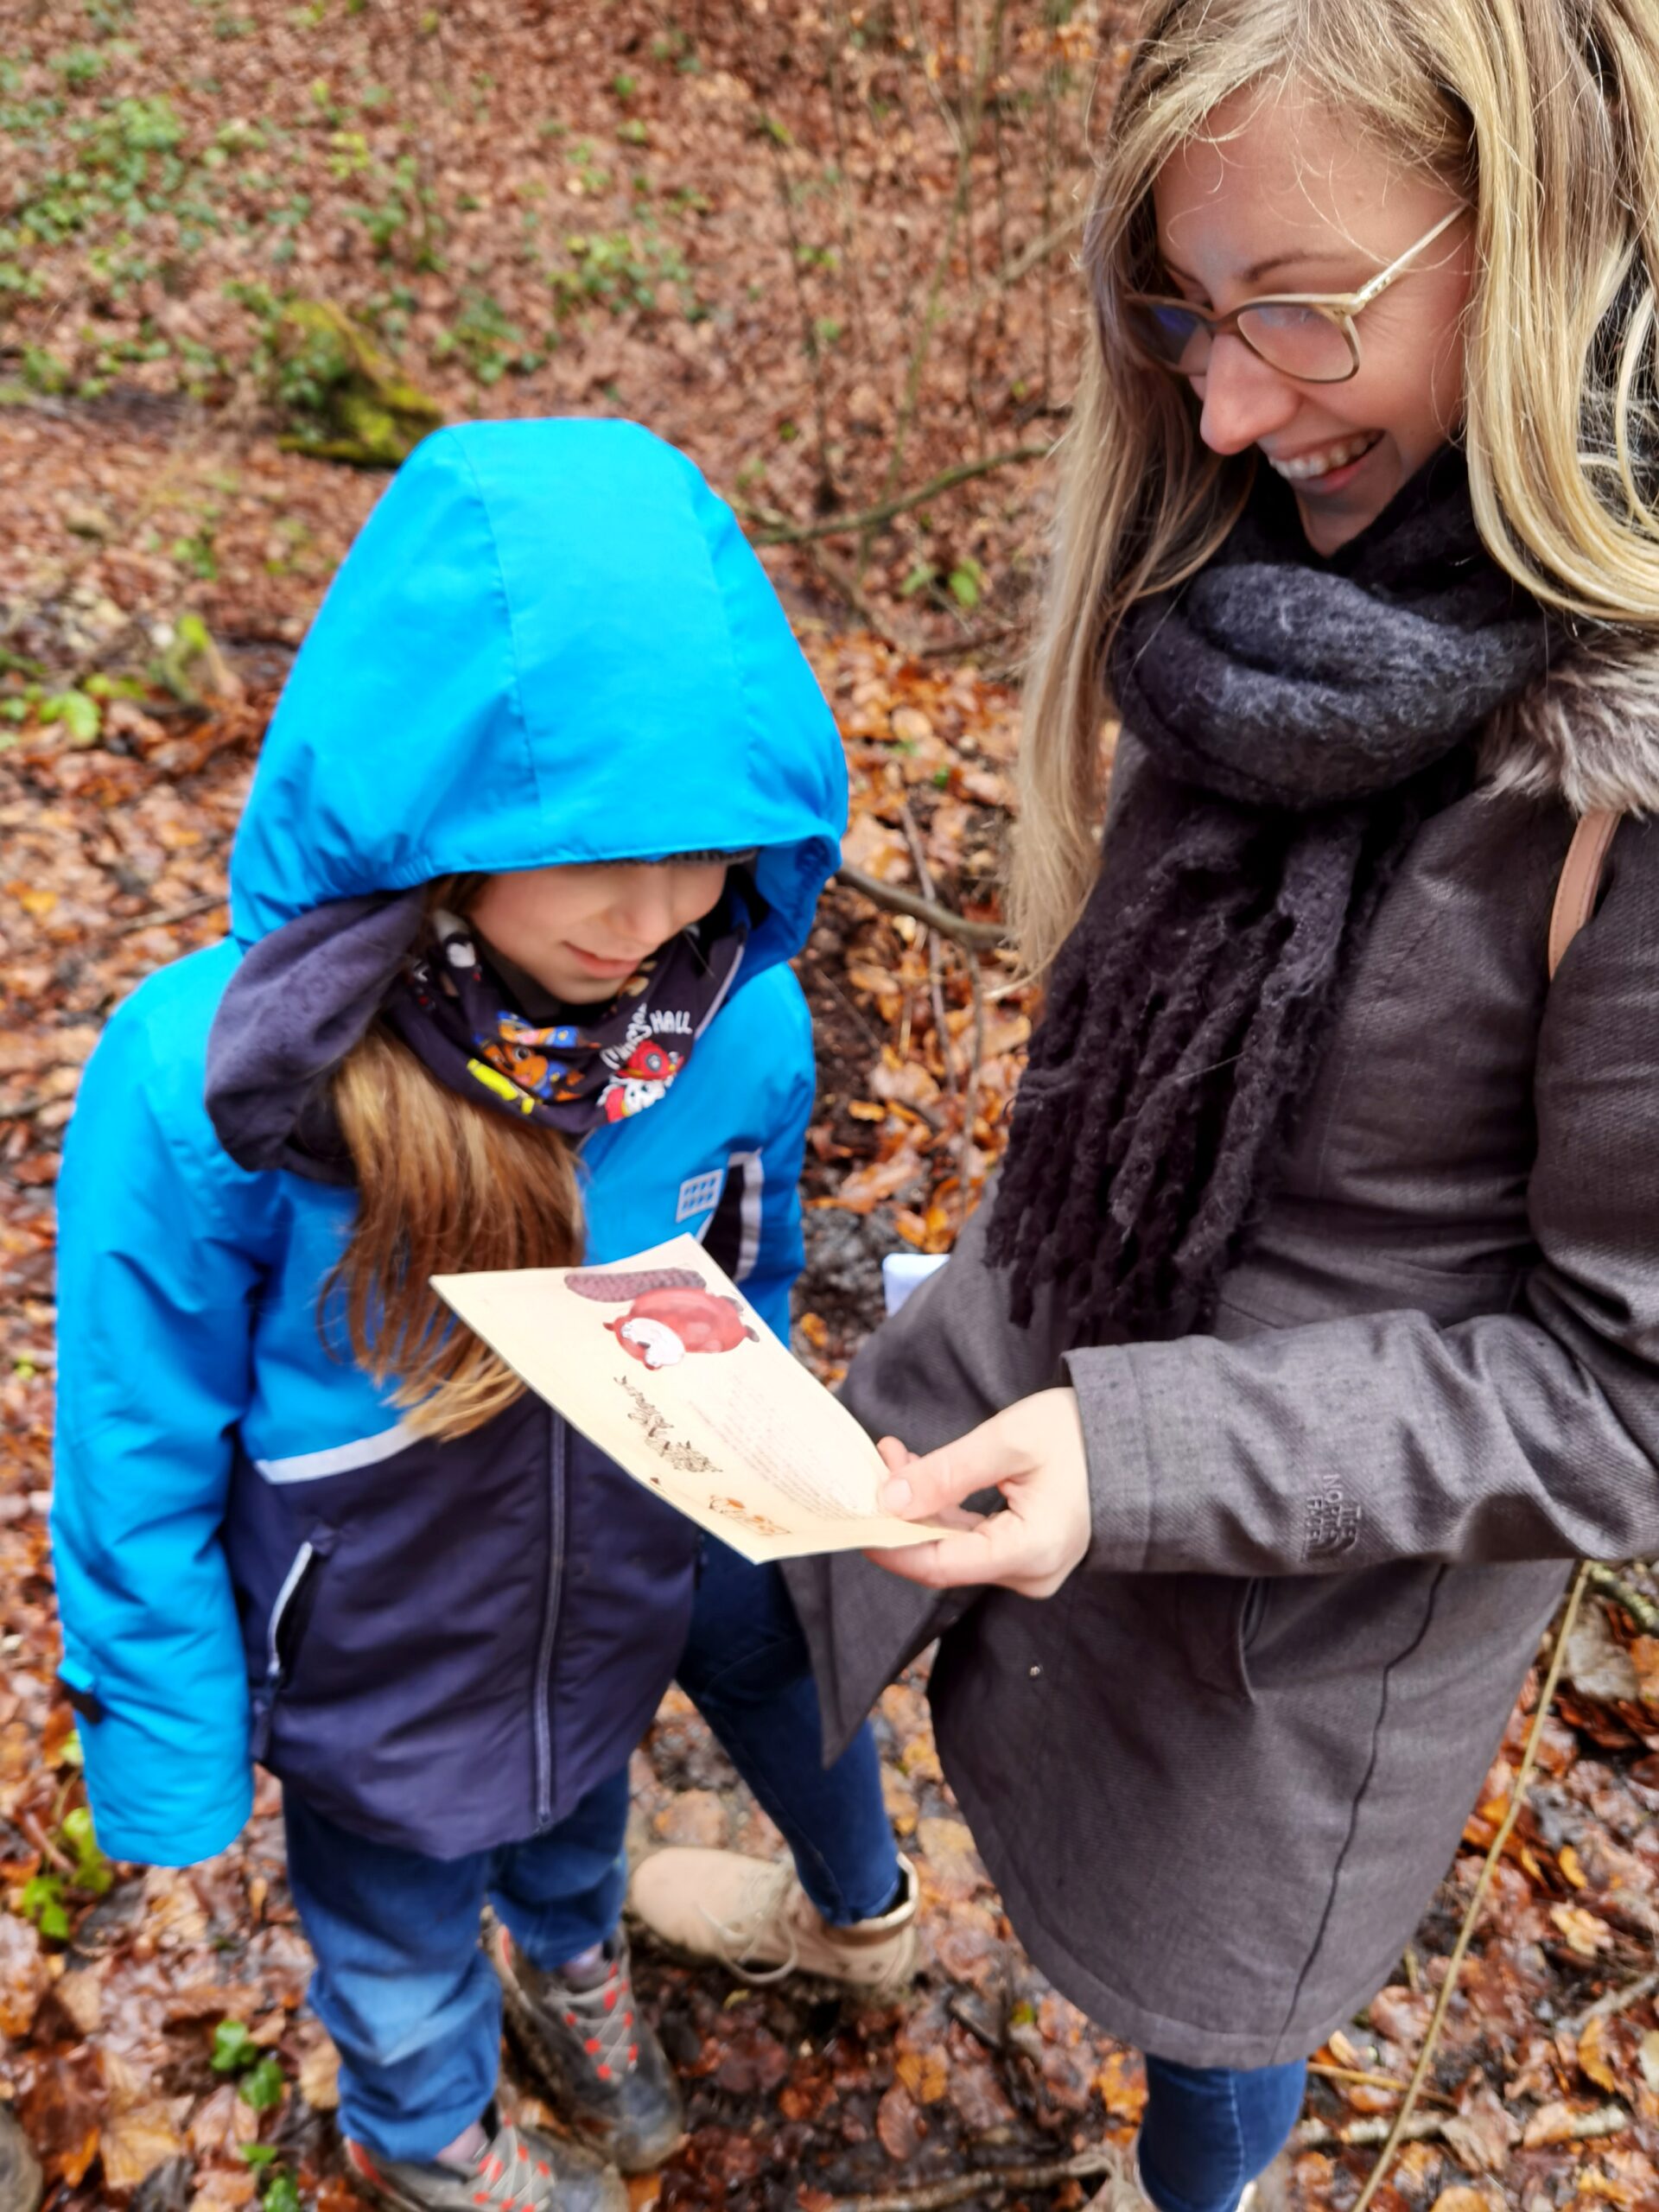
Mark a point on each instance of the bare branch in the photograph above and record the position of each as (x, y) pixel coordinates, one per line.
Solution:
(994, 2179)
(898, 901)
(801, 533)
(1029, 257)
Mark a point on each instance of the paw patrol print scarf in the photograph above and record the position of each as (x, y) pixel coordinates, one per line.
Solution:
(456, 1013)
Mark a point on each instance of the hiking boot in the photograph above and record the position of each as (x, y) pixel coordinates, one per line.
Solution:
(518, 2170)
(753, 1916)
(20, 2169)
(601, 2063)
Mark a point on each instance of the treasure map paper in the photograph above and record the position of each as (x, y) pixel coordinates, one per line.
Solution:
(663, 1364)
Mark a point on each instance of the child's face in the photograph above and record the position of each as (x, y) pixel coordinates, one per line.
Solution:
(581, 931)
(1281, 198)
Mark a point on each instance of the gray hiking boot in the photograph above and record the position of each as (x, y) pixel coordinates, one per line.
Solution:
(518, 2170)
(599, 2061)
(20, 2169)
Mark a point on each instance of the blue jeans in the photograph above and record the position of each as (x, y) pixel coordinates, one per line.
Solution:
(413, 2003)
(401, 1983)
(747, 1669)
(1208, 2130)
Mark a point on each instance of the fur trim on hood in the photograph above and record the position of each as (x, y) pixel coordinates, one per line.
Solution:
(1587, 732)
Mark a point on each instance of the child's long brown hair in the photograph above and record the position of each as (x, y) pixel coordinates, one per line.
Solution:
(443, 1186)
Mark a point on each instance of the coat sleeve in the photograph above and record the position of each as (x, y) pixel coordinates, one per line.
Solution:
(154, 1285)
(779, 1252)
(1529, 1435)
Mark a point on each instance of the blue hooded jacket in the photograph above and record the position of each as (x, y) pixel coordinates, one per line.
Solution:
(550, 644)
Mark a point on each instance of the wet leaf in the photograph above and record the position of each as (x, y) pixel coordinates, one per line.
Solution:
(1596, 1663)
(899, 2126)
(1594, 2056)
(1482, 2131)
(136, 2141)
(23, 1974)
(1587, 1934)
(925, 2073)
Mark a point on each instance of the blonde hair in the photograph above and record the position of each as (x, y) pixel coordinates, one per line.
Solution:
(1545, 115)
(443, 1186)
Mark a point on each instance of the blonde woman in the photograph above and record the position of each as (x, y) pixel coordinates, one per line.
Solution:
(1313, 1326)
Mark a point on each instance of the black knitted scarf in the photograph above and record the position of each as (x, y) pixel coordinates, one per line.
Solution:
(1293, 722)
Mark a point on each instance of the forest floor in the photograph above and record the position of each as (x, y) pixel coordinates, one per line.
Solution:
(829, 250)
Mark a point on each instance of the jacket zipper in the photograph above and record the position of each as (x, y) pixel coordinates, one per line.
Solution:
(544, 1713)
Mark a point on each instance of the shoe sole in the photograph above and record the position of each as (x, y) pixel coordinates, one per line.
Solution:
(379, 2191)
(644, 2158)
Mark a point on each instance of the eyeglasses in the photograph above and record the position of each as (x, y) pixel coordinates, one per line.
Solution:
(1308, 336)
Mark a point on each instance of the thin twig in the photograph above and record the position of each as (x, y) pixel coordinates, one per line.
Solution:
(934, 977)
(933, 2198)
(1616, 2000)
(970, 1089)
(188, 913)
(958, 647)
(1364, 2077)
(801, 533)
(1642, 1610)
(1319, 2135)
(899, 901)
(1031, 256)
(835, 37)
(959, 207)
(803, 306)
(840, 578)
(1398, 2132)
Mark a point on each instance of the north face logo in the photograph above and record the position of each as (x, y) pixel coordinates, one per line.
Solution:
(1330, 1524)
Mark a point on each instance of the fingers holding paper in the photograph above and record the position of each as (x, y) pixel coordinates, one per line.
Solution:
(1032, 1453)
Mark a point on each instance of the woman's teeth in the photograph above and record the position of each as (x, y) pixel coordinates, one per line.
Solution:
(1307, 465)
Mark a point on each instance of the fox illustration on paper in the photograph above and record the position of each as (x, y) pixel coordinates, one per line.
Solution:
(670, 1313)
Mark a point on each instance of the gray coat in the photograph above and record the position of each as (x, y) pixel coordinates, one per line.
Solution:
(1219, 1775)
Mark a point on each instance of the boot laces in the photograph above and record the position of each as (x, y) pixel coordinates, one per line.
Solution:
(735, 1940)
(512, 2175)
(603, 2018)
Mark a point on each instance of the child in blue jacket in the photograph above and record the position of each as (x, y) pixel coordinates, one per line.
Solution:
(545, 810)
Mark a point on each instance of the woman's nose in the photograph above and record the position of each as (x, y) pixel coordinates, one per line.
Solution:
(1243, 400)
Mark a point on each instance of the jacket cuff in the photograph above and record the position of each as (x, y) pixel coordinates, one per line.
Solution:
(1144, 1410)
(138, 1841)
(197, 1811)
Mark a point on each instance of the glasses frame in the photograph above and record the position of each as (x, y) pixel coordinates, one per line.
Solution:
(1340, 309)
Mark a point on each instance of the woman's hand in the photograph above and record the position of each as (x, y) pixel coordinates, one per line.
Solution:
(1032, 1453)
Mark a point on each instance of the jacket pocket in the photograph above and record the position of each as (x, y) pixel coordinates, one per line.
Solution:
(290, 1618)
(1221, 1616)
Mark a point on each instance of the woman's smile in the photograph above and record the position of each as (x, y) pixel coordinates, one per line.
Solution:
(1330, 467)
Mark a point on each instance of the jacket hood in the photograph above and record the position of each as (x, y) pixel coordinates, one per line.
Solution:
(550, 644)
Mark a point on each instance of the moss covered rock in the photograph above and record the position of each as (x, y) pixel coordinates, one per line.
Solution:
(340, 395)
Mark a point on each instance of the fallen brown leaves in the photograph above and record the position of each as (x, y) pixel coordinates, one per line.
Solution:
(164, 497)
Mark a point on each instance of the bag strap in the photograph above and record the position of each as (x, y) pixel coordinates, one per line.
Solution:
(1575, 895)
